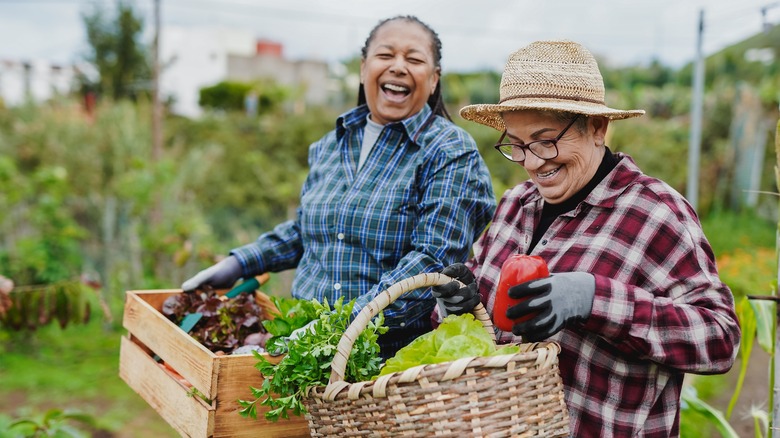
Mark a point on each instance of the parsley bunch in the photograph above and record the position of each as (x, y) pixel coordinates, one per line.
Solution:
(308, 362)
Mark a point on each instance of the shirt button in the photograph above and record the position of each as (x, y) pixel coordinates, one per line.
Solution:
(337, 286)
(340, 236)
(544, 242)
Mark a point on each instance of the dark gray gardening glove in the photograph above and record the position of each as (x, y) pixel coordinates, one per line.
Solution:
(559, 299)
(452, 298)
(219, 276)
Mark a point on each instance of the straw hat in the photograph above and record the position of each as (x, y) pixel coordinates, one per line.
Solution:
(558, 75)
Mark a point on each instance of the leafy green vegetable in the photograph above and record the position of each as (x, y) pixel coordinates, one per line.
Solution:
(224, 324)
(462, 346)
(308, 362)
(457, 337)
(293, 314)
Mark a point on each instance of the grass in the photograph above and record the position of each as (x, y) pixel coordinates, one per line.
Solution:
(75, 368)
(744, 246)
(730, 231)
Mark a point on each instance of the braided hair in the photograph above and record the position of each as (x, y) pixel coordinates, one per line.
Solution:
(435, 100)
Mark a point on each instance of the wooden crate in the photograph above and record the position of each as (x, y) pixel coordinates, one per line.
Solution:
(222, 379)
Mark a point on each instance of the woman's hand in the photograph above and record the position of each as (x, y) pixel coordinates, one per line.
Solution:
(558, 299)
(220, 276)
(453, 298)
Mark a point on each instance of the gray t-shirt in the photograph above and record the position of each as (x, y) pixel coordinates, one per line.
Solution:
(373, 129)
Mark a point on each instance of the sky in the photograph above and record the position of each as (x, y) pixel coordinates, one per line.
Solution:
(476, 34)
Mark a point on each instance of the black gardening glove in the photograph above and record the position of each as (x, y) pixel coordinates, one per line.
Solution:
(219, 276)
(452, 298)
(558, 299)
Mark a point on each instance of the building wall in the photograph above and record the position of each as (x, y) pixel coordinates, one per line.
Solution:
(190, 58)
(36, 80)
(195, 58)
(313, 76)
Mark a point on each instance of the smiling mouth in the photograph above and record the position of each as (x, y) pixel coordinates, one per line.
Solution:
(396, 90)
(549, 174)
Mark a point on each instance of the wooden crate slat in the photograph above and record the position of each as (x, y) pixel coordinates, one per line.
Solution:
(236, 375)
(186, 355)
(223, 379)
(190, 416)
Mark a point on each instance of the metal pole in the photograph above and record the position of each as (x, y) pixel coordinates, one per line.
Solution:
(157, 113)
(764, 22)
(157, 107)
(694, 143)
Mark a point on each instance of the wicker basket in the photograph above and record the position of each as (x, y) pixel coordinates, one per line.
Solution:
(511, 395)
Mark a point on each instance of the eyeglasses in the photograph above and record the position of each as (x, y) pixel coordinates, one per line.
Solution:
(544, 149)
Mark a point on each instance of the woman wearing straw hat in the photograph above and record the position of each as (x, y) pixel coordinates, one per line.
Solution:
(634, 298)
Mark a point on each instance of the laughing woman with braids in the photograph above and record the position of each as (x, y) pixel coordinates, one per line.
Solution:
(395, 190)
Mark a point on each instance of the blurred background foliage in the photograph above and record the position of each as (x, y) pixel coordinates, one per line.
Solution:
(78, 187)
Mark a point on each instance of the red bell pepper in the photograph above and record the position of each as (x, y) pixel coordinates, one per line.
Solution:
(517, 269)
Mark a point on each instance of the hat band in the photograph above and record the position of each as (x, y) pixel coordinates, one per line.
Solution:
(551, 96)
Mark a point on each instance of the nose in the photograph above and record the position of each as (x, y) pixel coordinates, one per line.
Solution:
(532, 162)
(398, 65)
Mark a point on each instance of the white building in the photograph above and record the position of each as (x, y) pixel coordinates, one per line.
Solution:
(195, 58)
(190, 59)
(35, 81)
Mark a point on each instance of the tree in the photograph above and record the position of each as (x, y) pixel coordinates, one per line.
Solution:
(116, 51)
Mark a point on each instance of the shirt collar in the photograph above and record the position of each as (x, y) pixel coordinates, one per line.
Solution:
(356, 118)
(615, 183)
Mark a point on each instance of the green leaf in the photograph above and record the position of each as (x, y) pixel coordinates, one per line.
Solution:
(23, 422)
(67, 431)
(691, 401)
(747, 321)
(459, 346)
(457, 337)
(248, 409)
(277, 326)
(308, 360)
(765, 313)
(80, 417)
(52, 414)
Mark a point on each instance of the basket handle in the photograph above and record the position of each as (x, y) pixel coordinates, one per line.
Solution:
(379, 303)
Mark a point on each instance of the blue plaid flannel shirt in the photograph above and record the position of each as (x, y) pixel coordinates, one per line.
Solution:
(414, 207)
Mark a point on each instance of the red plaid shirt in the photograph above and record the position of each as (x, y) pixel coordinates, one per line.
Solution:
(660, 309)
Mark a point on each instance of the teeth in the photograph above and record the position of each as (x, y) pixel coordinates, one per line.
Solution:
(397, 88)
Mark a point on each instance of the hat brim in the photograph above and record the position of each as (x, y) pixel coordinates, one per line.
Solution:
(491, 114)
